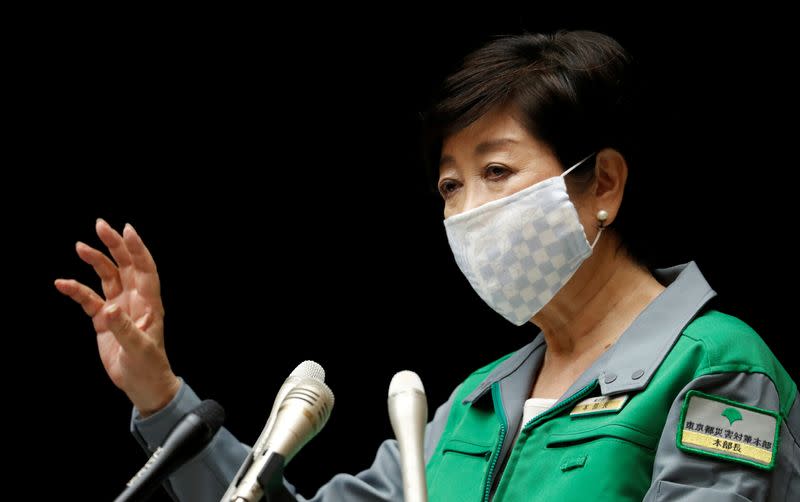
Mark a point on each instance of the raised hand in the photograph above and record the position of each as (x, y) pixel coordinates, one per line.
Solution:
(128, 318)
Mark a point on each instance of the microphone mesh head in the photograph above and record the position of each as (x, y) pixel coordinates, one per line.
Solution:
(405, 381)
(211, 413)
(309, 369)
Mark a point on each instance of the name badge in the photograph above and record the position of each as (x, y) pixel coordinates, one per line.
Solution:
(599, 405)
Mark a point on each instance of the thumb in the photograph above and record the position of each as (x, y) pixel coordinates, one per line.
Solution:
(125, 331)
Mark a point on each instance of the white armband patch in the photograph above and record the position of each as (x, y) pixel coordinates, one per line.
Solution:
(718, 427)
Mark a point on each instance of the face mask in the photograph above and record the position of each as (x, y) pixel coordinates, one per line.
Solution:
(518, 251)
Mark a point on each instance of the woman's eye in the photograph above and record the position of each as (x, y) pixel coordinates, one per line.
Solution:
(495, 171)
(447, 187)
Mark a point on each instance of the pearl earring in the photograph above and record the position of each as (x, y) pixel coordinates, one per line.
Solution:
(602, 216)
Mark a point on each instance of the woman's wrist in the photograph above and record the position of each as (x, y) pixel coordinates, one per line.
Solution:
(159, 398)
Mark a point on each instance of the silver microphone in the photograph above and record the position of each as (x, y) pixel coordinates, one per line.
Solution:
(408, 412)
(301, 415)
(304, 370)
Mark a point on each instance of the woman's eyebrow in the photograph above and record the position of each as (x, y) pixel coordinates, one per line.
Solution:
(482, 148)
(494, 145)
(446, 159)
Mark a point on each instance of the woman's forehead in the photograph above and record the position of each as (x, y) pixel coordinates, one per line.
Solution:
(495, 131)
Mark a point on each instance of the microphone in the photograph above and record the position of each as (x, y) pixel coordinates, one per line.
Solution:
(186, 439)
(300, 416)
(408, 412)
(306, 369)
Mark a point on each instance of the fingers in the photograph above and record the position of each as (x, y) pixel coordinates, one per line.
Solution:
(125, 331)
(103, 266)
(88, 299)
(147, 281)
(114, 242)
(140, 255)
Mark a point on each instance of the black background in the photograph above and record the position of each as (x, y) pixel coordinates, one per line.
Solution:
(271, 164)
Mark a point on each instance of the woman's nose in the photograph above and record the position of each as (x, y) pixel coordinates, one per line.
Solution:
(472, 197)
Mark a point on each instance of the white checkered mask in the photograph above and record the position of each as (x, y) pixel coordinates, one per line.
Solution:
(518, 251)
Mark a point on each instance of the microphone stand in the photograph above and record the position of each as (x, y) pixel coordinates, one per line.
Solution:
(271, 478)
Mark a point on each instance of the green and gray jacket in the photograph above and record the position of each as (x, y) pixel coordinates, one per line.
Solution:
(687, 405)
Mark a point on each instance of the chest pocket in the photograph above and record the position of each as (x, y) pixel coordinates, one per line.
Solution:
(611, 461)
(613, 432)
(461, 471)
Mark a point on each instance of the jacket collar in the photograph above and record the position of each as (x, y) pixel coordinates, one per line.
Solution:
(635, 357)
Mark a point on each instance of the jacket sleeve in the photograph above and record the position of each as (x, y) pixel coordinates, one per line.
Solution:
(692, 477)
(206, 477)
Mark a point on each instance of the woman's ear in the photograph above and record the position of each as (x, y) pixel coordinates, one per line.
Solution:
(610, 174)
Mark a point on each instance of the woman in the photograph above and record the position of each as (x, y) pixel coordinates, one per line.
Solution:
(633, 390)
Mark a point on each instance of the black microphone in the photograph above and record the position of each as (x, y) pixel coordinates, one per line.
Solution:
(189, 436)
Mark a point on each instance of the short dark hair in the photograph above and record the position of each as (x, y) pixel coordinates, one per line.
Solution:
(572, 90)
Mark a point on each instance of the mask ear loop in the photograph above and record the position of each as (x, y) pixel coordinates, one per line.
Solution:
(576, 165)
(602, 215)
(597, 237)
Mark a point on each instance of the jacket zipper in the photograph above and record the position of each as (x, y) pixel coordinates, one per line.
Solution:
(498, 405)
(564, 404)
